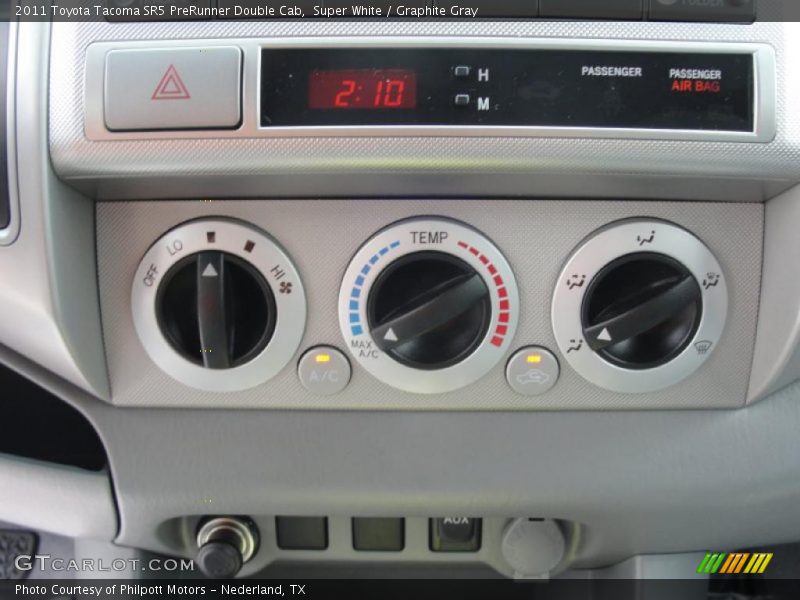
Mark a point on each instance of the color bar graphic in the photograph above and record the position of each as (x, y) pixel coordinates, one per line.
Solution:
(734, 563)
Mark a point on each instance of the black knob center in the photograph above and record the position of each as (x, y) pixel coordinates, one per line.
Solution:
(429, 310)
(641, 310)
(219, 560)
(216, 310)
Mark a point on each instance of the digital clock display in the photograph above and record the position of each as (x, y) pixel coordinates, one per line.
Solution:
(536, 87)
(364, 89)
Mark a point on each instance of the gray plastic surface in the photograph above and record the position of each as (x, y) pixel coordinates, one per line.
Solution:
(531, 166)
(640, 482)
(532, 548)
(659, 566)
(62, 500)
(535, 237)
(777, 356)
(49, 277)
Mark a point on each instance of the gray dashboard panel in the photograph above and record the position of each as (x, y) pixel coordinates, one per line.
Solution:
(97, 71)
(58, 499)
(777, 354)
(49, 272)
(530, 166)
(639, 482)
(321, 237)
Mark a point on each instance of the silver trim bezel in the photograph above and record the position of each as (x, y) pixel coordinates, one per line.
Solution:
(764, 93)
(11, 231)
(612, 242)
(485, 357)
(248, 543)
(230, 237)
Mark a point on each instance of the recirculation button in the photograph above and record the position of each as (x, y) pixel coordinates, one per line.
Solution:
(532, 371)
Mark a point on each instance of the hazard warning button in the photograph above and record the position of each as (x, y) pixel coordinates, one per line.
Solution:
(168, 89)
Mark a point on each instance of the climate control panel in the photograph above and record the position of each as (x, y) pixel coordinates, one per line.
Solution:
(565, 305)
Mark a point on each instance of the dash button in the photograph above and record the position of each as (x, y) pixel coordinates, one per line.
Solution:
(155, 89)
(532, 371)
(324, 371)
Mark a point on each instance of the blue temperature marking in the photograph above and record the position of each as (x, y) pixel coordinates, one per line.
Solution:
(355, 294)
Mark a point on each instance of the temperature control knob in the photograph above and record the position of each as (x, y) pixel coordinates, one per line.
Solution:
(428, 305)
(429, 310)
(218, 305)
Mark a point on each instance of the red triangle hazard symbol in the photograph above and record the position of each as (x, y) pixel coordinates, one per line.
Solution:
(171, 87)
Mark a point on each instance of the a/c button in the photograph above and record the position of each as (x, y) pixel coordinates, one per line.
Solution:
(324, 371)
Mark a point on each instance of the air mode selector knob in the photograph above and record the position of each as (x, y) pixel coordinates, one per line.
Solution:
(639, 306)
(641, 310)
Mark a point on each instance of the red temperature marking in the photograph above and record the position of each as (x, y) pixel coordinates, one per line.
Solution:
(505, 306)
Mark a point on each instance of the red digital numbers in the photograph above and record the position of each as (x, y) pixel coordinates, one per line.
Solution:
(362, 89)
(343, 98)
(391, 94)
